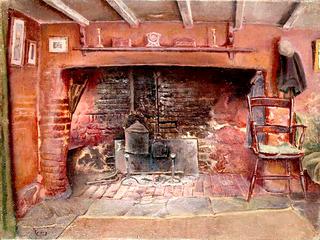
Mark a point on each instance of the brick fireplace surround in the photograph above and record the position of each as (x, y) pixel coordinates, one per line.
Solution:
(43, 130)
(204, 103)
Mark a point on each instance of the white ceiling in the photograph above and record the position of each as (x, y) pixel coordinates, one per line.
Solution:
(272, 12)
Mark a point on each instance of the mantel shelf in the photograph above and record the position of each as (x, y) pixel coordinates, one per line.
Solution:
(231, 50)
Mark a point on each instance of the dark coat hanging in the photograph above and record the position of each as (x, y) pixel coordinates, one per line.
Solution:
(291, 74)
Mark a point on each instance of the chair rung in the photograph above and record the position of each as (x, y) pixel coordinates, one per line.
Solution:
(274, 177)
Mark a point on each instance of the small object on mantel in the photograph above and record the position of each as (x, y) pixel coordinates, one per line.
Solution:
(83, 41)
(121, 42)
(230, 37)
(214, 37)
(153, 39)
(184, 42)
(230, 41)
(99, 45)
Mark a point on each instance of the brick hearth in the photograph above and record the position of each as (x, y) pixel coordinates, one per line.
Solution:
(206, 185)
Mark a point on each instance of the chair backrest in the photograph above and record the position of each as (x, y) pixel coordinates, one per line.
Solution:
(272, 103)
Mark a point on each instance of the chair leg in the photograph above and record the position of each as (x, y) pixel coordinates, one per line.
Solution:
(288, 172)
(302, 179)
(253, 180)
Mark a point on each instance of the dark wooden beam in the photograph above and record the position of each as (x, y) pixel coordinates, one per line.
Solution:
(239, 14)
(186, 13)
(124, 11)
(66, 10)
(297, 12)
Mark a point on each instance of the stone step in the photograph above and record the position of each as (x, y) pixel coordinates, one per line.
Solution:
(239, 226)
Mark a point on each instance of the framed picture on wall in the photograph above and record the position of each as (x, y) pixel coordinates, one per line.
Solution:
(17, 42)
(32, 52)
(58, 44)
(317, 55)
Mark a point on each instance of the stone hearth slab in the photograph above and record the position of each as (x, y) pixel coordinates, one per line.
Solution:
(149, 209)
(109, 207)
(179, 206)
(189, 206)
(229, 204)
(269, 202)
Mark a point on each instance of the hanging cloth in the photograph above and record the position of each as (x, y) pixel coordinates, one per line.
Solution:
(257, 90)
(291, 76)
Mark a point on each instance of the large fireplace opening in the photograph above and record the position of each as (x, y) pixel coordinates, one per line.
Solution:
(203, 103)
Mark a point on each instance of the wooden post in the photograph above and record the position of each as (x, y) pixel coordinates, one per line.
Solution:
(8, 223)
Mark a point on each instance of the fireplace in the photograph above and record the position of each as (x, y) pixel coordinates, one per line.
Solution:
(205, 104)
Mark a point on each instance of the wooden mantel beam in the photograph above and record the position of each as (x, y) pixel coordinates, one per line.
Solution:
(297, 12)
(239, 14)
(125, 12)
(65, 9)
(186, 13)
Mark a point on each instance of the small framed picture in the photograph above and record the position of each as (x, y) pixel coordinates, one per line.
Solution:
(58, 44)
(317, 55)
(17, 42)
(32, 52)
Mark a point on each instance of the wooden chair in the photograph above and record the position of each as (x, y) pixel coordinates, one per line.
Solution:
(288, 151)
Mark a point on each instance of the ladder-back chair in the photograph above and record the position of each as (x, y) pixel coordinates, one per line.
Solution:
(290, 150)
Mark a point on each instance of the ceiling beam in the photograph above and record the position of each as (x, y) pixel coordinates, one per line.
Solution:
(125, 12)
(186, 13)
(296, 13)
(71, 13)
(239, 13)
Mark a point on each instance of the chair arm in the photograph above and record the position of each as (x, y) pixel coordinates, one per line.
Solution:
(299, 126)
(302, 135)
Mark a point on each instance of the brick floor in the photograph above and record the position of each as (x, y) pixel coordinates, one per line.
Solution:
(214, 185)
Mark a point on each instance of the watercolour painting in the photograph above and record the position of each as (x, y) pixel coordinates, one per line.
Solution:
(160, 119)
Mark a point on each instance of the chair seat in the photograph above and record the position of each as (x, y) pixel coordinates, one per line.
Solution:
(284, 149)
